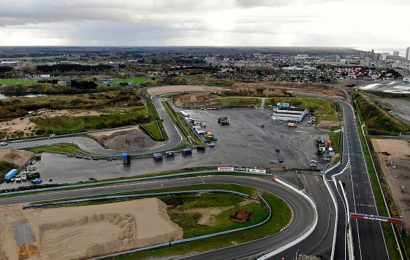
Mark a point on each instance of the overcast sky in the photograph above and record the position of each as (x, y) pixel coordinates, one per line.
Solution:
(360, 24)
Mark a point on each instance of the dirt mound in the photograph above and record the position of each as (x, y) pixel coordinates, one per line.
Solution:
(127, 141)
(14, 156)
(242, 215)
(196, 100)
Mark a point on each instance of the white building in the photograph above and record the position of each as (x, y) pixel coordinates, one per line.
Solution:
(408, 53)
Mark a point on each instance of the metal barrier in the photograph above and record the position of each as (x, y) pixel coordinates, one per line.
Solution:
(63, 187)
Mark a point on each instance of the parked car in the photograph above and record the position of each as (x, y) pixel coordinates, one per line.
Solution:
(3, 144)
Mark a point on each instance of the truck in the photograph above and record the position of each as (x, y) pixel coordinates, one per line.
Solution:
(223, 120)
(201, 148)
(186, 151)
(158, 157)
(10, 175)
(170, 154)
(126, 158)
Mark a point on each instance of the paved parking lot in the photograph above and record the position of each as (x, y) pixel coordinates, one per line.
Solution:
(243, 143)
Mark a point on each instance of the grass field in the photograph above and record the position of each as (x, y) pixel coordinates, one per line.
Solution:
(72, 124)
(323, 108)
(17, 81)
(69, 149)
(5, 167)
(377, 120)
(281, 215)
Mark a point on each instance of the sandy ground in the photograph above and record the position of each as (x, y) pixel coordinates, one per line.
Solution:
(181, 88)
(23, 127)
(196, 100)
(128, 140)
(17, 157)
(85, 231)
(394, 156)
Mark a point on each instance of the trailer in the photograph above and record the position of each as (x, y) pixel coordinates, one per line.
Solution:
(186, 151)
(126, 158)
(10, 175)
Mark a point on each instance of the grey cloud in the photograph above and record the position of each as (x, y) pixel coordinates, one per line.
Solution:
(46, 11)
(260, 3)
(121, 33)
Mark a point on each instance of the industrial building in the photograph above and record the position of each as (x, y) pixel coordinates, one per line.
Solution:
(284, 112)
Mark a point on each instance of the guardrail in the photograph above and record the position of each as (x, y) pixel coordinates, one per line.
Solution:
(302, 237)
(132, 196)
(162, 194)
(165, 176)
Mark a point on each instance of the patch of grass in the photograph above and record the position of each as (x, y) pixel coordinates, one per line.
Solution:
(69, 149)
(388, 95)
(154, 113)
(209, 200)
(19, 81)
(377, 120)
(182, 124)
(281, 215)
(336, 141)
(136, 80)
(72, 124)
(239, 102)
(223, 221)
(5, 167)
(153, 129)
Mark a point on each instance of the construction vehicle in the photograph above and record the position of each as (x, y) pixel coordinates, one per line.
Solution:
(223, 120)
